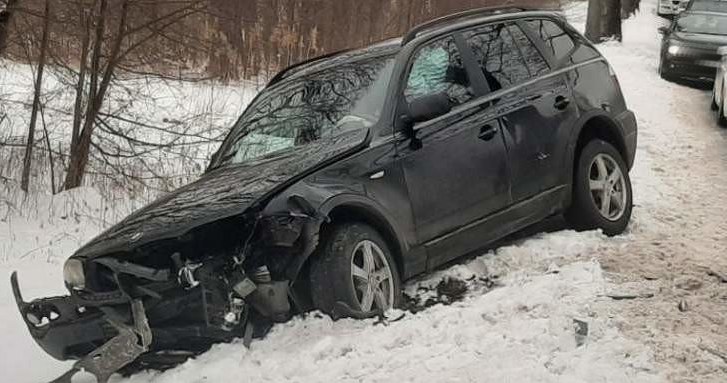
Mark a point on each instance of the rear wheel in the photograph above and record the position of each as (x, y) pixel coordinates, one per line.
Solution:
(602, 194)
(354, 267)
(714, 105)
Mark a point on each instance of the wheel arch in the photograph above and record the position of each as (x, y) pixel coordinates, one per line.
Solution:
(350, 208)
(594, 125)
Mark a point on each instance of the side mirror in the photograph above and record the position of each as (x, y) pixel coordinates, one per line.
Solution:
(663, 30)
(429, 107)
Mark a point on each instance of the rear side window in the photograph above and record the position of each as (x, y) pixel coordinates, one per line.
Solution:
(556, 40)
(536, 62)
(438, 68)
(498, 56)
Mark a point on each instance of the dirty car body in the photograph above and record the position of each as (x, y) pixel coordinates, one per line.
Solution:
(335, 140)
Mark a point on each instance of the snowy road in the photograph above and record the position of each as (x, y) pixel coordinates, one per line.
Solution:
(521, 331)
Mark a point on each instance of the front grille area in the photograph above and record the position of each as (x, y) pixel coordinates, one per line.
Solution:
(100, 279)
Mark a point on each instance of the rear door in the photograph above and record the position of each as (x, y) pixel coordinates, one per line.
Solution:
(535, 107)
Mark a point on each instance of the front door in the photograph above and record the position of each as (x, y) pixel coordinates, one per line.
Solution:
(459, 173)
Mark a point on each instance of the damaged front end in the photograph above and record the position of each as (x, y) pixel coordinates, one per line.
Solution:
(156, 305)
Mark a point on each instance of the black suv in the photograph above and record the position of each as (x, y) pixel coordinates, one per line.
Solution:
(349, 174)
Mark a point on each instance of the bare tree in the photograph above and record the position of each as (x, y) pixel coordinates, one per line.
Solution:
(629, 8)
(7, 11)
(105, 61)
(604, 20)
(28, 159)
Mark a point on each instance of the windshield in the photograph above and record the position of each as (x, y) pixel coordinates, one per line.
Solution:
(303, 110)
(709, 6)
(703, 24)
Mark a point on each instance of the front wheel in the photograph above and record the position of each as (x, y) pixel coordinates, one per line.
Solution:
(602, 194)
(663, 72)
(354, 268)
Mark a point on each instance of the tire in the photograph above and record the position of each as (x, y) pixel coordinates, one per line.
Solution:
(721, 118)
(714, 105)
(586, 210)
(663, 73)
(333, 283)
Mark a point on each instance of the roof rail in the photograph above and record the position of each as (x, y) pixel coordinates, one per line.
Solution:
(289, 71)
(416, 31)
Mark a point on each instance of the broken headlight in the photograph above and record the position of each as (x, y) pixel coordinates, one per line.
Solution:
(73, 274)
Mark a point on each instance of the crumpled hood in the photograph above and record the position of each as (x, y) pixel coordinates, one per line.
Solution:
(222, 193)
(707, 41)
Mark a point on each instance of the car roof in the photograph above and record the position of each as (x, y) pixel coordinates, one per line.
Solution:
(316, 64)
(474, 16)
(393, 46)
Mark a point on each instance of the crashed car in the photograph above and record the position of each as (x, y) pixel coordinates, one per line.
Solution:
(347, 175)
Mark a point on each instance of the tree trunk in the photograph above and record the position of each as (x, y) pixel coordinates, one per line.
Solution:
(80, 151)
(81, 84)
(604, 20)
(629, 8)
(6, 18)
(79, 155)
(28, 160)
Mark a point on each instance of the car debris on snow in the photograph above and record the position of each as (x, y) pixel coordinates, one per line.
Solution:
(581, 331)
(628, 297)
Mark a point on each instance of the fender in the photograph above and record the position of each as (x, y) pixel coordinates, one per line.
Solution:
(579, 125)
(367, 207)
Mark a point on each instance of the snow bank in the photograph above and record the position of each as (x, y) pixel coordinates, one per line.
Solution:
(522, 331)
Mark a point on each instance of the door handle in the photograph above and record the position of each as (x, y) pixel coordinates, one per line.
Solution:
(487, 133)
(561, 102)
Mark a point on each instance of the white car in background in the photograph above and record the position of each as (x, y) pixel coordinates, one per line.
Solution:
(719, 103)
(671, 7)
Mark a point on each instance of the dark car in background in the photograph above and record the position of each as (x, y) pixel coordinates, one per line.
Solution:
(670, 8)
(349, 174)
(690, 46)
(707, 6)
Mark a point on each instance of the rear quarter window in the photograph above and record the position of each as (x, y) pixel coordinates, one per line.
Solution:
(563, 47)
(557, 41)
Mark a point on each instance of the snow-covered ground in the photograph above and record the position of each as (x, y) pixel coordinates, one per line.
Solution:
(522, 330)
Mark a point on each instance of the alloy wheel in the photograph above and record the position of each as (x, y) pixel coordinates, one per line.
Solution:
(608, 187)
(372, 278)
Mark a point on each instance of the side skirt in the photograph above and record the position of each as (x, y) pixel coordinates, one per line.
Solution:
(479, 234)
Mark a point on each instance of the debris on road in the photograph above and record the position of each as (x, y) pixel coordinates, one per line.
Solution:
(629, 297)
(581, 330)
(683, 306)
(714, 352)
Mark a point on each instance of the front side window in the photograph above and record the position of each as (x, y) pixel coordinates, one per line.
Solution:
(498, 56)
(437, 68)
(556, 40)
(303, 110)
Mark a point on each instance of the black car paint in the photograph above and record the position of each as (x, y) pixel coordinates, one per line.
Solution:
(696, 50)
(218, 194)
(462, 188)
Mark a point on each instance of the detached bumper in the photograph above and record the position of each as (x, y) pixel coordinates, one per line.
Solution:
(59, 328)
(101, 341)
